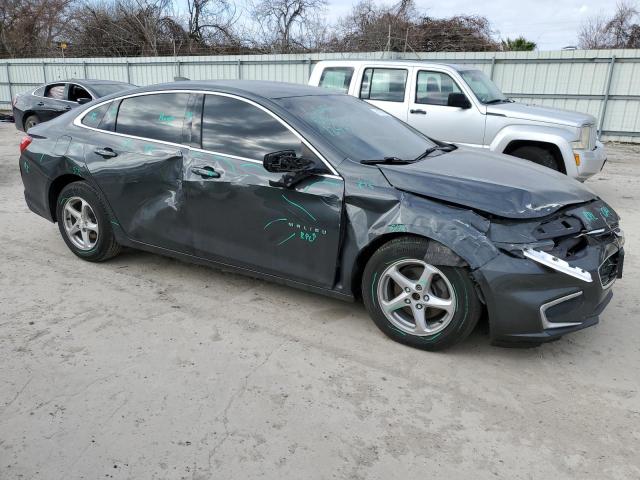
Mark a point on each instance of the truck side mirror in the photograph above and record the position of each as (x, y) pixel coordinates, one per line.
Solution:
(458, 100)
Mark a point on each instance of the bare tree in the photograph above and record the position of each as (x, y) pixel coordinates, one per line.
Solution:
(285, 24)
(29, 26)
(211, 22)
(622, 30)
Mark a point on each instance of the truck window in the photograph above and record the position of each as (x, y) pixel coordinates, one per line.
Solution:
(385, 84)
(433, 88)
(336, 78)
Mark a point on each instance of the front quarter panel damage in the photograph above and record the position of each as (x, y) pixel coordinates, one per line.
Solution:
(377, 212)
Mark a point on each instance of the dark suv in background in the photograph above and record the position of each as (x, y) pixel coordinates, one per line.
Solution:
(55, 98)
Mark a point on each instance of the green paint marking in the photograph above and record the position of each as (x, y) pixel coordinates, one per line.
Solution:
(589, 217)
(287, 239)
(41, 157)
(300, 207)
(162, 118)
(308, 237)
(605, 212)
(115, 223)
(274, 221)
(364, 184)
(373, 284)
(397, 227)
(26, 166)
(148, 149)
(254, 165)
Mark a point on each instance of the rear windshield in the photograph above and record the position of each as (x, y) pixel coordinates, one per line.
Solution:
(360, 130)
(104, 89)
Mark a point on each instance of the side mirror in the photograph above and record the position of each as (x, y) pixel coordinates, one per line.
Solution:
(286, 161)
(83, 100)
(294, 169)
(458, 100)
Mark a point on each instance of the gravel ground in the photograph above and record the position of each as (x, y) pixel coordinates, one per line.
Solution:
(148, 368)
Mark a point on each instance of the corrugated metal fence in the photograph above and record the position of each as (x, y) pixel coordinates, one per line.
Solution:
(604, 83)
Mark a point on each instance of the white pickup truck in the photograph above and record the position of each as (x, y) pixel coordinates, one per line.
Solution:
(456, 104)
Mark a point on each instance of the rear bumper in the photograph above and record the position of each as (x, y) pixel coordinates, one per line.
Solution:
(530, 304)
(591, 161)
(18, 118)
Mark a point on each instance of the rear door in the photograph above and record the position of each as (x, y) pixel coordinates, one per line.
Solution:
(53, 102)
(385, 87)
(135, 155)
(235, 213)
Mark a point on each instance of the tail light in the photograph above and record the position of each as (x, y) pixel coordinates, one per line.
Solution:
(25, 142)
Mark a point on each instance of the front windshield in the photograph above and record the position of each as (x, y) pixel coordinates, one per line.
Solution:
(359, 130)
(482, 86)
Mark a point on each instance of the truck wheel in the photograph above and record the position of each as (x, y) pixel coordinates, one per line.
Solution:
(538, 155)
(422, 305)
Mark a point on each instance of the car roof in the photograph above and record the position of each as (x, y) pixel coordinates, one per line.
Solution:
(89, 82)
(395, 63)
(246, 88)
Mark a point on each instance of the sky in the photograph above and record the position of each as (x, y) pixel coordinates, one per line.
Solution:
(552, 24)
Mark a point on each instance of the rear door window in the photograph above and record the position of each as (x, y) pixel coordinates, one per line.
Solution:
(384, 84)
(234, 127)
(55, 91)
(102, 117)
(336, 78)
(154, 116)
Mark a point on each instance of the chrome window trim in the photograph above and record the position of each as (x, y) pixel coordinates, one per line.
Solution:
(546, 324)
(78, 123)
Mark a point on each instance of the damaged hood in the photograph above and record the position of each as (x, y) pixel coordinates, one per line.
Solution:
(498, 184)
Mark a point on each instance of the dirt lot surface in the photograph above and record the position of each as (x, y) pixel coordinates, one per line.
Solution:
(147, 368)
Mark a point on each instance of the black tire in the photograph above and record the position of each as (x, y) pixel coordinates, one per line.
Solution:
(31, 121)
(105, 246)
(539, 155)
(468, 308)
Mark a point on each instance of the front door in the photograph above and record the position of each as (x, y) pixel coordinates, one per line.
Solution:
(429, 113)
(53, 103)
(237, 216)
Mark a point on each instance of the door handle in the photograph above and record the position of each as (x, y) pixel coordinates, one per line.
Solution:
(105, 152)
(67, 108)
(206, 172)
(419, 111)
(40, 104)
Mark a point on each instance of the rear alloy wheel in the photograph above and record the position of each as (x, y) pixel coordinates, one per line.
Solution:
(416, 303)
(84, 223)
(31, 121)
(538, 155)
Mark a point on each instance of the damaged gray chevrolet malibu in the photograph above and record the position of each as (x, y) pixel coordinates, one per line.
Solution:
(324, 192)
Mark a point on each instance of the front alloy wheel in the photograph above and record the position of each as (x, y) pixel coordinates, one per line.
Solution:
(415, 302)
(416, 297)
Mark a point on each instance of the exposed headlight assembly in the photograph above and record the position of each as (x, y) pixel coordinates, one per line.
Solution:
(557, 264)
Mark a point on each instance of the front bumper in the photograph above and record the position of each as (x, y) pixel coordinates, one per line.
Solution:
(529, 303)
(591, 161)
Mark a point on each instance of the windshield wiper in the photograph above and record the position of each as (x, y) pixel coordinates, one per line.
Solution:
(386, 161)
(498, 100)
(429, 151)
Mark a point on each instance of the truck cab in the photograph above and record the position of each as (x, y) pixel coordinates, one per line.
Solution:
(461, 105)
